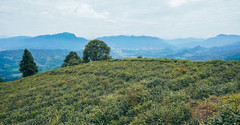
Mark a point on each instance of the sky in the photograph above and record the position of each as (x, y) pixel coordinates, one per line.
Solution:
(96, 18)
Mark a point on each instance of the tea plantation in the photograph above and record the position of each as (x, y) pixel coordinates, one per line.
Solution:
(126, 91)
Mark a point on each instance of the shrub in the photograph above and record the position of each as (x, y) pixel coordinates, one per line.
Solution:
(228, 115)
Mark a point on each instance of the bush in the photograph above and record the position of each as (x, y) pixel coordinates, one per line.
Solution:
(228, 115)
(199, 91)
(72, 59)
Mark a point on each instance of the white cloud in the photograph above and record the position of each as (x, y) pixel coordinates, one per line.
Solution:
(176, 3)
(80, 9)
(94, 18)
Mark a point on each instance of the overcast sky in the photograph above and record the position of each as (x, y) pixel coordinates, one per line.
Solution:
(95, 18)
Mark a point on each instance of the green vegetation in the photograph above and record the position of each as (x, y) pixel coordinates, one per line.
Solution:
(27, 65)
(127, 91)
(96, 50)
(72, 59)
(1, 80)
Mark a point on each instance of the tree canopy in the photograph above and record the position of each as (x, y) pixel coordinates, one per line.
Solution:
(27, 65)
(72, 59)
(96, 50)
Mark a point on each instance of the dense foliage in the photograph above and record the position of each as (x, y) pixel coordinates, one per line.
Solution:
(72, 59)
(96, 50)
(27, 65)
(1, 80)
(229, 113)
(127, 91)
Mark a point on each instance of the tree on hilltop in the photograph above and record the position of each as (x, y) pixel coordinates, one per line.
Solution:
(27, 65)
(1, 80)
(96, 50)
(72, 59)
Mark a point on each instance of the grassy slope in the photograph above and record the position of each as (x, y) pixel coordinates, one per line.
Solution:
(128, 91)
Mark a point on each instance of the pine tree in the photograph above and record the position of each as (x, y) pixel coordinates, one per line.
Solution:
(1, 80)
(72, 59)
(27, 65)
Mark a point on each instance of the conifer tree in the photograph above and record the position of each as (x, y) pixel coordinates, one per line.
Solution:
(72, 59)
(1, 80)
(27, 65)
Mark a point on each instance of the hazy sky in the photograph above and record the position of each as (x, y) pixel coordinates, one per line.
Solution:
(95, 18)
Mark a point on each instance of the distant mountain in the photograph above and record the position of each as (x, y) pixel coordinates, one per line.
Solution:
(135, 42)
(57, 41)
(70, 42)
(185, 42)
(220, 40)
(227, 52)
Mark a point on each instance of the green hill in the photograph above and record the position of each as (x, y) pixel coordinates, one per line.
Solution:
(127, 91)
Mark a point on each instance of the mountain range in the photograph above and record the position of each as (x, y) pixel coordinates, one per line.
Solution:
(70, 41)
(57, 41)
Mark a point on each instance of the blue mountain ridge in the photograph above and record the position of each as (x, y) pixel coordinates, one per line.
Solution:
(56, 41)
(70, 41)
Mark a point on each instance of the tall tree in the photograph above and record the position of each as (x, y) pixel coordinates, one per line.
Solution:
(1, 80)
(72, 59)
(96, 50)
(27, 65)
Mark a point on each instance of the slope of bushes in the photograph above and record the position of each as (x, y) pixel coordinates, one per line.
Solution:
(127, 91)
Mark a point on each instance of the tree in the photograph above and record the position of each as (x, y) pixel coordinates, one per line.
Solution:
(72, 59)
(96, 50)
(1, 80)
(27, 65)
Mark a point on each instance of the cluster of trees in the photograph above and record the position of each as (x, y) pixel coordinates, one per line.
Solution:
(95, 50)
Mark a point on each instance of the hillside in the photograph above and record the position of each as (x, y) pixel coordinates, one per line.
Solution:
(127, 91)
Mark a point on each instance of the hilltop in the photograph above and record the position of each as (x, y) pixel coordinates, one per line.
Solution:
(126, 91)
(50, 50)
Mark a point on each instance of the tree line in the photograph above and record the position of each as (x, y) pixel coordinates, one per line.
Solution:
(95, 50)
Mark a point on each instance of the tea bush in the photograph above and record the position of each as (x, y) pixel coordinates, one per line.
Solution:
(125, 91)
